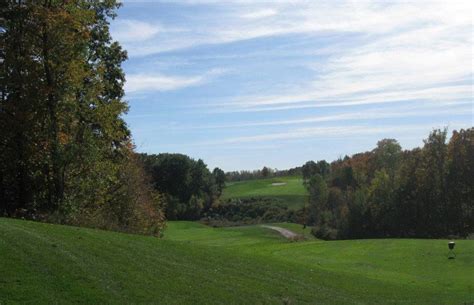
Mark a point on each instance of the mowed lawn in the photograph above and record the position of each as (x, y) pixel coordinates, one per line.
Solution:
(195, 264)
(290, 192)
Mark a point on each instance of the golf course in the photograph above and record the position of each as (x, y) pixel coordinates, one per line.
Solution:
(202, 152)
(288, 190)
(195, 264)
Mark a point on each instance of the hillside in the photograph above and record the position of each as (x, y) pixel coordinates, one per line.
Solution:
(287, 190)
(195, 264)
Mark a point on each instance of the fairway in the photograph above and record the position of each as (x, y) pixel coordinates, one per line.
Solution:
(195, 264)
(288, 190)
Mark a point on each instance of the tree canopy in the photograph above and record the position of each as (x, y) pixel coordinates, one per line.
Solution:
(190, 187)
(66, 150)
(423, 192)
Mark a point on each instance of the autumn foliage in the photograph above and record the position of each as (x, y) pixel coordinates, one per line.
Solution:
(66, 153)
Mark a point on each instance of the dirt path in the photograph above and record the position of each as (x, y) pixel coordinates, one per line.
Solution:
(285, 232)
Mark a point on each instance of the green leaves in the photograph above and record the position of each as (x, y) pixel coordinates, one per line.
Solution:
(65, 148)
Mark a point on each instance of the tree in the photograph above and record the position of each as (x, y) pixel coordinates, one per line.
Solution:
(188, 184)
(380, 203)
(432, 184)
(343, 176)
(219, 179)
(409, 209)
(308, 170)
(318, 197)
(323, 168)
(266, 172)
(460, 175)
(312, 168)
(64, 143)
(358, 221)
(387, 155)
(386, 192)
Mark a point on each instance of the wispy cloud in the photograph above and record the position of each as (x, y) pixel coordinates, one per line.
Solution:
(437, 95)
(263, 13)
(328, 132)
(247, 20)
(411, 50)
(361, 115)
(423, 110)
(159, 82)
(401, 67)
(127, 31)
(298, 67)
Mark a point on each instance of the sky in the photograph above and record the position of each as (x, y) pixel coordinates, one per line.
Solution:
(246, 84)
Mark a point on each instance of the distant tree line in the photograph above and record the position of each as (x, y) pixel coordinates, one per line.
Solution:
(66, 154)
(387, 192)
(265, 172)
(189, 187)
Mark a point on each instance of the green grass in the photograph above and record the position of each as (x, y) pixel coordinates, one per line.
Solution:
(195, 264)
(292, 193)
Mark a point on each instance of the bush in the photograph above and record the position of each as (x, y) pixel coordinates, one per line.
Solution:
(132, 207)
(324, 232)
(251, 211)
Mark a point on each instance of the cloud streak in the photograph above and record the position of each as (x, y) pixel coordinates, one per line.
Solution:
(129, 31)
(412, 52)
(301, 70)
(328, 132)
(159, 82)
(421, 111)
(248, 20)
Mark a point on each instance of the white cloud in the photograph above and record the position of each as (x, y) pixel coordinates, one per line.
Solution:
(351, 97)
(413, 51)
(263, 13)
(240, 20)
(450, 109)
(332, 132)
(160, 82)
(127, 31)
(414, 57)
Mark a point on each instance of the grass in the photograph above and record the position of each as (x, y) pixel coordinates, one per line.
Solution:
(292, 193)
(195, 264)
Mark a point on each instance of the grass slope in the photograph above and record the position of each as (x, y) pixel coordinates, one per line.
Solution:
(195, 264)
(292, 193)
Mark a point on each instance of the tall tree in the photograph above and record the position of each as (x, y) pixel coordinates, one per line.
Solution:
(460, 177)
(380, 203)
(64, 144)
(318, 198)
(387, 155)
(219, 179)
(188, 184)
(432, 184)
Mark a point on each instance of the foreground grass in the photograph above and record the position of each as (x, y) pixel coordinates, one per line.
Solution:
(292, 193)
(195, 264)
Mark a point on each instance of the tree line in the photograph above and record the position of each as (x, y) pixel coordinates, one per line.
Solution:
(66, 153)
(388, 192)
(189, 187)
(265, 172)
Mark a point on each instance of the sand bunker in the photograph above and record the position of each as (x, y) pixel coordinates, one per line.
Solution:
(278, 183)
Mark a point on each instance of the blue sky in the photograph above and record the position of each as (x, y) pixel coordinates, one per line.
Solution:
(247, 84)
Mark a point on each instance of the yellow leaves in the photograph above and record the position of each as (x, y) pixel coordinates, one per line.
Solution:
(63, 138)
